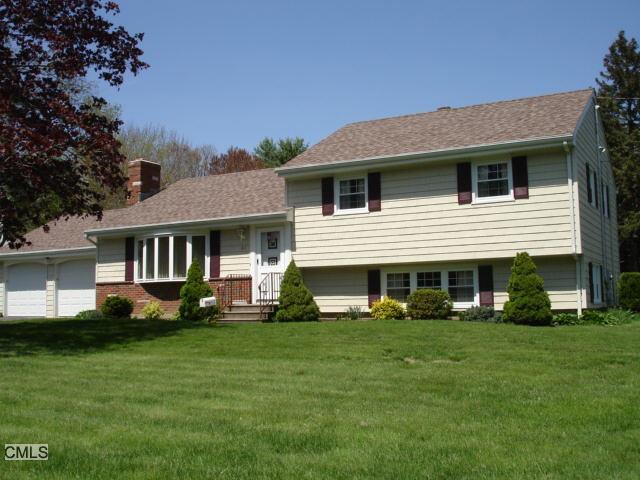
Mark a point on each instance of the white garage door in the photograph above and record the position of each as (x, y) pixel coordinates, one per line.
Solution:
(26, 290)
(76, 287)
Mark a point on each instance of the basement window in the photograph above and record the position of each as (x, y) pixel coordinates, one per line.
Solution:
(168, 257)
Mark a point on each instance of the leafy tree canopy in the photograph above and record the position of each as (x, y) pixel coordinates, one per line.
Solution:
(277, 154)
(54, 148)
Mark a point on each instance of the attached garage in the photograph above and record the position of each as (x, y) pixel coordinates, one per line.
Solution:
(76, 287)
(26, 290)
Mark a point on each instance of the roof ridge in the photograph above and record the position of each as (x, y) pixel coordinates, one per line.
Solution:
(417, 114)
(201, 177)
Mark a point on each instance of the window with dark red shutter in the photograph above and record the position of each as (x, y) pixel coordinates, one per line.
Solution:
(214, 253)
(129, 245)
(520, 177)
(485, 283)
(375, 192)
(464, 183)
(373, 286)
(327, 196)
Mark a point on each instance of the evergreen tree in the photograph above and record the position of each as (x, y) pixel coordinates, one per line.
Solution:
(191, 292)
(619, 98)
(296, 303)
(274, 154)
(528, 303)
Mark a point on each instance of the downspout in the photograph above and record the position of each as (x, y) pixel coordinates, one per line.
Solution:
(88, 239)
(572, 214)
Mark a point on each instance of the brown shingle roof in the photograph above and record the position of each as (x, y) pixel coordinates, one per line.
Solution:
(491, 123)
(191, 199)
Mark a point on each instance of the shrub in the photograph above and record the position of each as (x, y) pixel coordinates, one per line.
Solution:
(191, 292)
(387, 309)
(89, 315)
(117, 306)
(478, 314)
(629, 291)
(295, 303)
(528, 303)
(427, 304)
(561, 319)
(351, 313)
(609, 317)
(152, 311)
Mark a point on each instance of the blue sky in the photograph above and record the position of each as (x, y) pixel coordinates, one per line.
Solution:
(232, 72)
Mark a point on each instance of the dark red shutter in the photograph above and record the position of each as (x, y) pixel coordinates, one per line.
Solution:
(589, 192)
(129, 245)
(375, 192)
(464, 183)
(485, 281)
(591, 281)
(214, 254)
(327, 196)
(373, 286)
(520, 177)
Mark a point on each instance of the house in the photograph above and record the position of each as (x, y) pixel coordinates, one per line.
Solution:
(443, 199)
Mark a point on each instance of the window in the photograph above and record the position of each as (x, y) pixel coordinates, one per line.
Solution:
(493, 180)
(461, 286)
(168, 257)
(592, 188)
(597, 284)
(180, 256)
(432, 280)
(352, 194)
(398, 286)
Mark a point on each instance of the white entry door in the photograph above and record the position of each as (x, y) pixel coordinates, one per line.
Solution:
(270, 260)
(26, 290)
(76, 287)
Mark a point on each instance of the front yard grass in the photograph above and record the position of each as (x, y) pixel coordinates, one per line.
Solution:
(386, 399)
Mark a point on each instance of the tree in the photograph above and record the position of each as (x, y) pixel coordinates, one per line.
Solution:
(619, 98)
(52, 147)
(275, 155)
(528, 303)
(233, 160)
(191, 292)
(295, 303)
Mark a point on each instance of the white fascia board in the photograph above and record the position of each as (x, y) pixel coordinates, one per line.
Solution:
(424, 157)
(68, 252)
(253, 219)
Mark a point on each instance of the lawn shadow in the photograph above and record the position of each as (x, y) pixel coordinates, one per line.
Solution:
(72, 337)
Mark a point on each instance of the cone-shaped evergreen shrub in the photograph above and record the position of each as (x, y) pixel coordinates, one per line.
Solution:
(191, 292)
(296, 303)
(528, 302)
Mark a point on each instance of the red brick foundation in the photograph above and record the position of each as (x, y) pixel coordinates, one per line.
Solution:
(167, 293)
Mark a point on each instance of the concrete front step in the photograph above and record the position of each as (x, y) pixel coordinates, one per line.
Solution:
(245, 313)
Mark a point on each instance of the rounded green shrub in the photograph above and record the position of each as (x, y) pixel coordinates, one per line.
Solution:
(117, 306)
(428, 304)
(478, 314)
(295, 303)
(629, 291)
(89, 315)
(561, 319)
(387, 309)
(152, 311)
(528, 303)
(191, 292)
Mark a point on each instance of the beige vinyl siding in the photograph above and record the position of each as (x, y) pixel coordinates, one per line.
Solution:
(599, 234)
(2, 288)
(421, 220)
(111, 264)
(234, 253)
(51, 291)
(336, 289)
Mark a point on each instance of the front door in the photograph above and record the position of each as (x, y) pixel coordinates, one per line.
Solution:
(270, 260)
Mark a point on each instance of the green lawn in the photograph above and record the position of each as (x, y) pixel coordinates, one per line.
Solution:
(397, 400)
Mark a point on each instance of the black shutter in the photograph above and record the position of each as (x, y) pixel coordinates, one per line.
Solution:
(595, 187)
(589, 192)
(214, 254)
(520, 177)
(591, 282)
(608, 204)
(129, 245)
(464, 183)
(375, 192)
(327, 196)
(373, 286)
(485, 281)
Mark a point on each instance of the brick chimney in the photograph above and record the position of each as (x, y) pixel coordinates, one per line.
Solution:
(144, 180)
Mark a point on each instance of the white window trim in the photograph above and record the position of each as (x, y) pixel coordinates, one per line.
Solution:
(597, 284)
(474, 182)
(171, 277)
(444, 279)
(336, 195)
